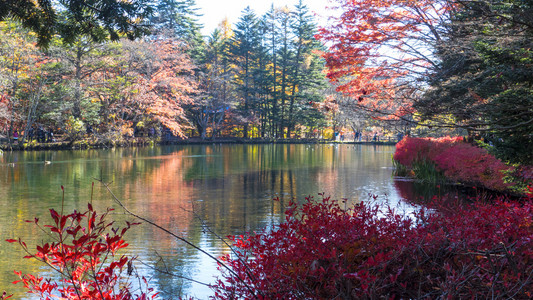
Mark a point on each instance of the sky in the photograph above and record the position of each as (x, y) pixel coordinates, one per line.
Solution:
(214, 11)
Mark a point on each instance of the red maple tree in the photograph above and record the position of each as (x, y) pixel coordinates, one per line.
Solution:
(380, 50)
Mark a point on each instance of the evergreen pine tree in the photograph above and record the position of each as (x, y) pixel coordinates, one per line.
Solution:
(244, 47)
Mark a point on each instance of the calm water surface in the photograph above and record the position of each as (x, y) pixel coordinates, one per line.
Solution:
(230, 187)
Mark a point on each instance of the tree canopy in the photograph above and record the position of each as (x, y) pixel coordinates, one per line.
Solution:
(98, 19)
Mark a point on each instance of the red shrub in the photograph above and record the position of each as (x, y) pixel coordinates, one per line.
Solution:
(323, 252)
(526, 173)
(469, 164)
(410, 150)
(84, 253)
(458, 161)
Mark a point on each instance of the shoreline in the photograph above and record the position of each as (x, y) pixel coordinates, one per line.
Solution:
(143, 142)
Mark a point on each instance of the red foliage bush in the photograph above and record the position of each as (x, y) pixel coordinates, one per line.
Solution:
(83, 252)
(458, 161)
(324, 252)
(466, 163)
(410, 150)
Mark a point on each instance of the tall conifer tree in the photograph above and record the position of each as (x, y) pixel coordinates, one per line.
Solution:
(244, 50)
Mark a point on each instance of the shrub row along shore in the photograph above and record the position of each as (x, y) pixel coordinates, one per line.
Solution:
(452, 160)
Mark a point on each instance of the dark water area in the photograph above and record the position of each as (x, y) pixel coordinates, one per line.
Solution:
(229, 187)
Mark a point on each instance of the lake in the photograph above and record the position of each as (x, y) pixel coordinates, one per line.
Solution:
(231, 188)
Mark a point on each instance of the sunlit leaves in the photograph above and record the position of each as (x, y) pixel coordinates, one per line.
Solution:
(23, 73)
(379, 50)
(83, 252)
(161, 85)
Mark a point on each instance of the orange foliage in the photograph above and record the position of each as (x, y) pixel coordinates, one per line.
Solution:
(148, 81)
(379, 49)
(166, 86)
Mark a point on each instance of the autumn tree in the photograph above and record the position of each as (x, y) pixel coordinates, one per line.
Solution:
(381, 51)
(112, 87)
(457, 64)
(70, 105)
(346, 114)
(22, 79)
(164, 83)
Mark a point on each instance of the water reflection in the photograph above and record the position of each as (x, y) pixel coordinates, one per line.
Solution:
(231, 187)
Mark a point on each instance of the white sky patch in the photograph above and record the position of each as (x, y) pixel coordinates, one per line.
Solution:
(214, 11)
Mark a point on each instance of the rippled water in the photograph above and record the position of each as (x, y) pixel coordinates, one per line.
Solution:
(229, 187)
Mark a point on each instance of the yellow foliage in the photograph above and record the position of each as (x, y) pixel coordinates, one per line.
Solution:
(225, 27)
(446, 119)
(328, 133)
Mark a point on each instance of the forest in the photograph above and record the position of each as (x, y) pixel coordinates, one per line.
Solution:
(261, 78)
(381, 68)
